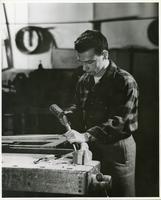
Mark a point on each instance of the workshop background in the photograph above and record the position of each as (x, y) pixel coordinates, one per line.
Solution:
(39, 68)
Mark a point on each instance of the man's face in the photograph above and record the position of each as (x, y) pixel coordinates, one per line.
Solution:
(91, 62)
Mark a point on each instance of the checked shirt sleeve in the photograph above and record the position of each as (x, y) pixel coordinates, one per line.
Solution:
(123, 117)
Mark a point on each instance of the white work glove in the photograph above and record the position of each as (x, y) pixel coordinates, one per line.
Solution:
(74, 136)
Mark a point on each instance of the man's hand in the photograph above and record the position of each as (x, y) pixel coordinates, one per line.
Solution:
(74, 136)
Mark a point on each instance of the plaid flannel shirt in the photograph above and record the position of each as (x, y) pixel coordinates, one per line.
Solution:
(120, 107)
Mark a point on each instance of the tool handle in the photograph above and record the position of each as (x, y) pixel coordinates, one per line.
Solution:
(75, 145)
(59, 113)
(68, 127)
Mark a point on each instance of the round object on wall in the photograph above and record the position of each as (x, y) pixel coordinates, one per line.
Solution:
(153, 32)
(33, 40)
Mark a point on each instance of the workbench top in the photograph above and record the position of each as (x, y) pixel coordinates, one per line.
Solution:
(19, 160)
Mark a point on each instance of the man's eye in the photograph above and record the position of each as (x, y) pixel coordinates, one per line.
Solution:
(90, 61)
(86, 62)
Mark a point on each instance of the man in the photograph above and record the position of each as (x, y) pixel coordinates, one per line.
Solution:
(107, 101)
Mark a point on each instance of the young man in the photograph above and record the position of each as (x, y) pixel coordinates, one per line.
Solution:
(107, 98)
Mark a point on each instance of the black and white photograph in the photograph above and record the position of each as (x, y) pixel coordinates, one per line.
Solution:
(80, 99)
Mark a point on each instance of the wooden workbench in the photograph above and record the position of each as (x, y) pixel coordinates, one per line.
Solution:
(57, 175)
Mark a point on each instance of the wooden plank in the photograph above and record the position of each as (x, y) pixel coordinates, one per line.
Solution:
(53, 144)
(40, 150)
(32, 137)
(25, 146)
(46, 140)
(29, 140)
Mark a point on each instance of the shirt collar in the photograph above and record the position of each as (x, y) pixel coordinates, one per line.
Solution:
(108, 71)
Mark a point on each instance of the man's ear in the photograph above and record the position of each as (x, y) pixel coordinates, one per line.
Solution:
(105, 54)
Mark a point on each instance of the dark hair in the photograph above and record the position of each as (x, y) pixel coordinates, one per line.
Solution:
(91, 39)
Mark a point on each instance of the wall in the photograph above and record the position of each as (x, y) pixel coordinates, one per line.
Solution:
(44, 15)
(59, 12)
(126, 33)
(120, 34)
(115, 10)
